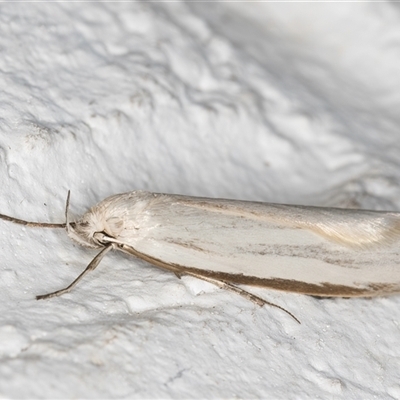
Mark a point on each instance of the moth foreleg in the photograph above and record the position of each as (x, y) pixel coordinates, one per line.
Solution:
(92, 265)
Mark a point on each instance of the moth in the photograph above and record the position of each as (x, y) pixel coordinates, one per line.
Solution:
(326, 252)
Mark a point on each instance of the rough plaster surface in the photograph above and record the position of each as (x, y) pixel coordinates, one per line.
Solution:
(283, 102)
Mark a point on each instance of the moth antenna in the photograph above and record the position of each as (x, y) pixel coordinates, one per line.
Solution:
(92, 265)
(31, 224)
(67, 224)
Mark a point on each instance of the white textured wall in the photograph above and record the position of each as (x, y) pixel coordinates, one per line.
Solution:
(284, 102)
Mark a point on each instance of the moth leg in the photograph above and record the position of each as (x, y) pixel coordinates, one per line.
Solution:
(235, 289)
(92, 265)
(178, 275)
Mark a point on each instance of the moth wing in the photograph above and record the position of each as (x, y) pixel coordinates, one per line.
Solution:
(311, 250)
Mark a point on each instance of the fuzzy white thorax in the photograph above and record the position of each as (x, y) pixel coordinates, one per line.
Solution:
(115, 217)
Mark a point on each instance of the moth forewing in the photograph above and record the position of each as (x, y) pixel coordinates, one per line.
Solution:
(308, 250)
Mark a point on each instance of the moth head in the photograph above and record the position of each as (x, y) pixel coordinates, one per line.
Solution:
(94, 229)
(111, 220)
